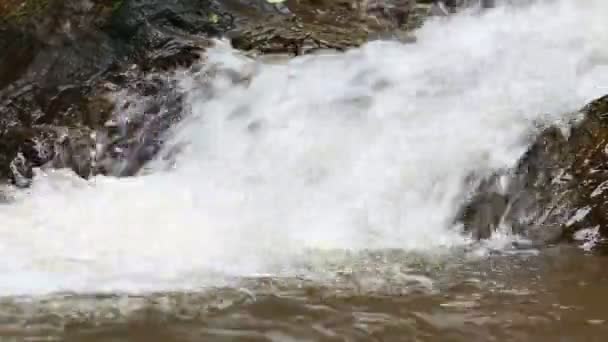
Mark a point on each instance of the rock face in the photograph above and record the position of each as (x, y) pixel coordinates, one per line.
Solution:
(559, 190)
(62, 60)
(304, 26)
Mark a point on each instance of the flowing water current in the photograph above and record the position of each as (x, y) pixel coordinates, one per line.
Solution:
(313, 199)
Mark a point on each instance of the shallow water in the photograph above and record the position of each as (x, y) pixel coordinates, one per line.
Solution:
(257, 221)
(557, 294)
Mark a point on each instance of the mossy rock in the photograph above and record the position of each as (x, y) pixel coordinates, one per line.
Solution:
(322, 24)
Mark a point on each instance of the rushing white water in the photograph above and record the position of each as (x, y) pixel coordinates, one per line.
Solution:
(367, 149)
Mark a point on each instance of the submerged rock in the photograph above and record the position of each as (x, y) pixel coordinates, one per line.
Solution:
(559, 189)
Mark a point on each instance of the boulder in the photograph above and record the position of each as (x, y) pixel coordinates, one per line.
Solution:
(557, 192)
(60, 62)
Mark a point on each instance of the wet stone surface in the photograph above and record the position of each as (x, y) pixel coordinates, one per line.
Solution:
(63, 63)
(558, 190)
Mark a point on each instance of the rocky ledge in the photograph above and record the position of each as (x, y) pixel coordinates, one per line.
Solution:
(63, 62)
(557, 192)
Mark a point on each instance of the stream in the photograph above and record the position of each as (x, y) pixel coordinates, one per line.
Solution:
(313, 199)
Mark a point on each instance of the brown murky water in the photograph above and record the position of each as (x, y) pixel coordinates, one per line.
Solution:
(557, 294)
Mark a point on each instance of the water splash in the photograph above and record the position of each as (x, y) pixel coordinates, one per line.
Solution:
(363, 150)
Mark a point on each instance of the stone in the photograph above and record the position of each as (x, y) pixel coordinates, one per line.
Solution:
(64, 60)
(559, 187)
(61, 60)
(318, 25)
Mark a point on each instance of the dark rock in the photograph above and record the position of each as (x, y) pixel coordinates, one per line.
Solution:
(74, 149)
(485, 209)
(18, 52)
(135, 134)
(320, 24)
(559, 187)
(50, 59)
(59, 63)
(165, 34)
(62, 59)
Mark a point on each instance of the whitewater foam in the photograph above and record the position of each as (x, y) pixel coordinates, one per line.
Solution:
(362, 150)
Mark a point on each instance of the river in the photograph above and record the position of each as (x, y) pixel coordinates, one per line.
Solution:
(313, 199)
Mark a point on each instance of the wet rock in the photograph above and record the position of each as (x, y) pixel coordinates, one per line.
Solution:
(393, 12)
(558, 189)
(313, 25)
(75, 149)
(134, 133)
(65, 63)
(61, 61)
(291, 37)
(50, 58)
(18, 52)
(160, 35)
(484, 211)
